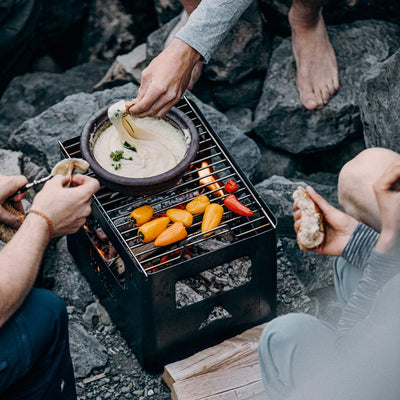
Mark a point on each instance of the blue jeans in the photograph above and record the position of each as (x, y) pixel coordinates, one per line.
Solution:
(35, 361)
(294, 344)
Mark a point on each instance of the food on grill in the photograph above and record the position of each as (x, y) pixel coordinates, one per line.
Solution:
(232, 203)
(172, 234)
(138, 147)
(311, 232)
(212, 217)
(231, 186)
(141, 215)
(150, 230)
(177, 215)
(198, 204)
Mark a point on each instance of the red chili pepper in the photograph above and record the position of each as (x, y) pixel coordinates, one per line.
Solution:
(232, 203)
(231, 186)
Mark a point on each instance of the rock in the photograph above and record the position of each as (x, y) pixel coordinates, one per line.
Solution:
(30, 94)
(63, 277)
(245, 49)
(380, 104)
(108, 31)
(315, 271)
(125, 68)
(10, 162)
(274, 162)
(334, 11)
(167, 9)
(277, 193)
(95, 314)
(39, 136)
(332, 160)
(86, 351)
(358, 46)
(243, 149)
(241, 117)
(246, 93)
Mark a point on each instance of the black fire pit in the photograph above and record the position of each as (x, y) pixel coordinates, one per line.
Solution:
(143, 297)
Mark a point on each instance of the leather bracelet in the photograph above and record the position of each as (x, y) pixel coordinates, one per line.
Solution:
(46, 218)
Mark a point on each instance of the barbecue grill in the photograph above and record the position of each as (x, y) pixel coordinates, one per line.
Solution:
(141, 299)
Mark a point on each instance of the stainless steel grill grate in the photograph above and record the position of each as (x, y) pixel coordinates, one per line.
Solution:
(115, 207)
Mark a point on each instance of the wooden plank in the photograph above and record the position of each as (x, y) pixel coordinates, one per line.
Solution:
(228, 384)
(239, 350)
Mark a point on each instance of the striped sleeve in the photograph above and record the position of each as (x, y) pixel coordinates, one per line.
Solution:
(360, 246)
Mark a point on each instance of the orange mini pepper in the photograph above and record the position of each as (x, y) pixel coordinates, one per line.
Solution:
(150, 230)
(141, 215)
(172, 234)
(212, 217)
(198, 204)
(177, 215)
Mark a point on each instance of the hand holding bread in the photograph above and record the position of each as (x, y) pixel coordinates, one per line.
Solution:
(319, 226)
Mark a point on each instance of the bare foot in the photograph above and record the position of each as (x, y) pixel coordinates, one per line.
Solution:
(317, 72)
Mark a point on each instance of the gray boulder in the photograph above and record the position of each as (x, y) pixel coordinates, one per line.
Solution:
(10, 162)
(108, 31)
(283, 122)
(246, 93)
(315, 271)
(245, 49)
(95, 314)
(86, 351)
(167, 9)
(30, 94)
(380, 105)
(63, 277)
(39, 136)
(277, 193)
(241, 117)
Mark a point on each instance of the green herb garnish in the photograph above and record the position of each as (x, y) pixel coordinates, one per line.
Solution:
(116, 166)
(129, 147)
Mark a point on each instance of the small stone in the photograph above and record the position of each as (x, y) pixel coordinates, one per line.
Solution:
(70, 309)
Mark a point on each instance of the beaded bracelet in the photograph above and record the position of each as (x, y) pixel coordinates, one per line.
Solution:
(46, 218)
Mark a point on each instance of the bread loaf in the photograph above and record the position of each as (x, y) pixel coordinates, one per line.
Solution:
(311, 232)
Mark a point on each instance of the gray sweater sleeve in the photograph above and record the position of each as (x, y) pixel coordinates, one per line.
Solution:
(379, 269)
(209, 23)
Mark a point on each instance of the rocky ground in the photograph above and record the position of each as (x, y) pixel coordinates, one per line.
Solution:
(248, 95)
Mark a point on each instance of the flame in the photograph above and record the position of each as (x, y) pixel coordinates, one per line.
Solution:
(101, 252)
(213, 185)
(86, 228)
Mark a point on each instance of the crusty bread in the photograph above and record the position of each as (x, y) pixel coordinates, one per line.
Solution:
(311, 233)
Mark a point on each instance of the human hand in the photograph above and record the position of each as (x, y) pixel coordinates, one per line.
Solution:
(338, 226)
(67, 208)
(388, 199)
(165, 79)
(8, 186)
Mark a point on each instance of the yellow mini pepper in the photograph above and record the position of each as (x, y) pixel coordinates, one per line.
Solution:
(150, 230)
(141, 215)
(172, 234)
(198, 204)
(177, 215)
(212, 217)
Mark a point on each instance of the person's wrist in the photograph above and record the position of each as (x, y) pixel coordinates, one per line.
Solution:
(37, 224)
(183, 48)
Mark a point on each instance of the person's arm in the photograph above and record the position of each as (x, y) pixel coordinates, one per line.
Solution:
(20, 259)
(383, 263)
(209, 23)
(168, 75)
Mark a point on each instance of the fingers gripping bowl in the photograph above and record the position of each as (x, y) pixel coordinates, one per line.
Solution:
(99, 122)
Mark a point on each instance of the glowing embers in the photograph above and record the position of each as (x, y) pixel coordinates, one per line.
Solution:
(208, 178)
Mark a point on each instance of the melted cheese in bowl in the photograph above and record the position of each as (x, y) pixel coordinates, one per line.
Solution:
(149, 146)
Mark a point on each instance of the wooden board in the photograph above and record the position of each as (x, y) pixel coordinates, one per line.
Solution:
(227, 371)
